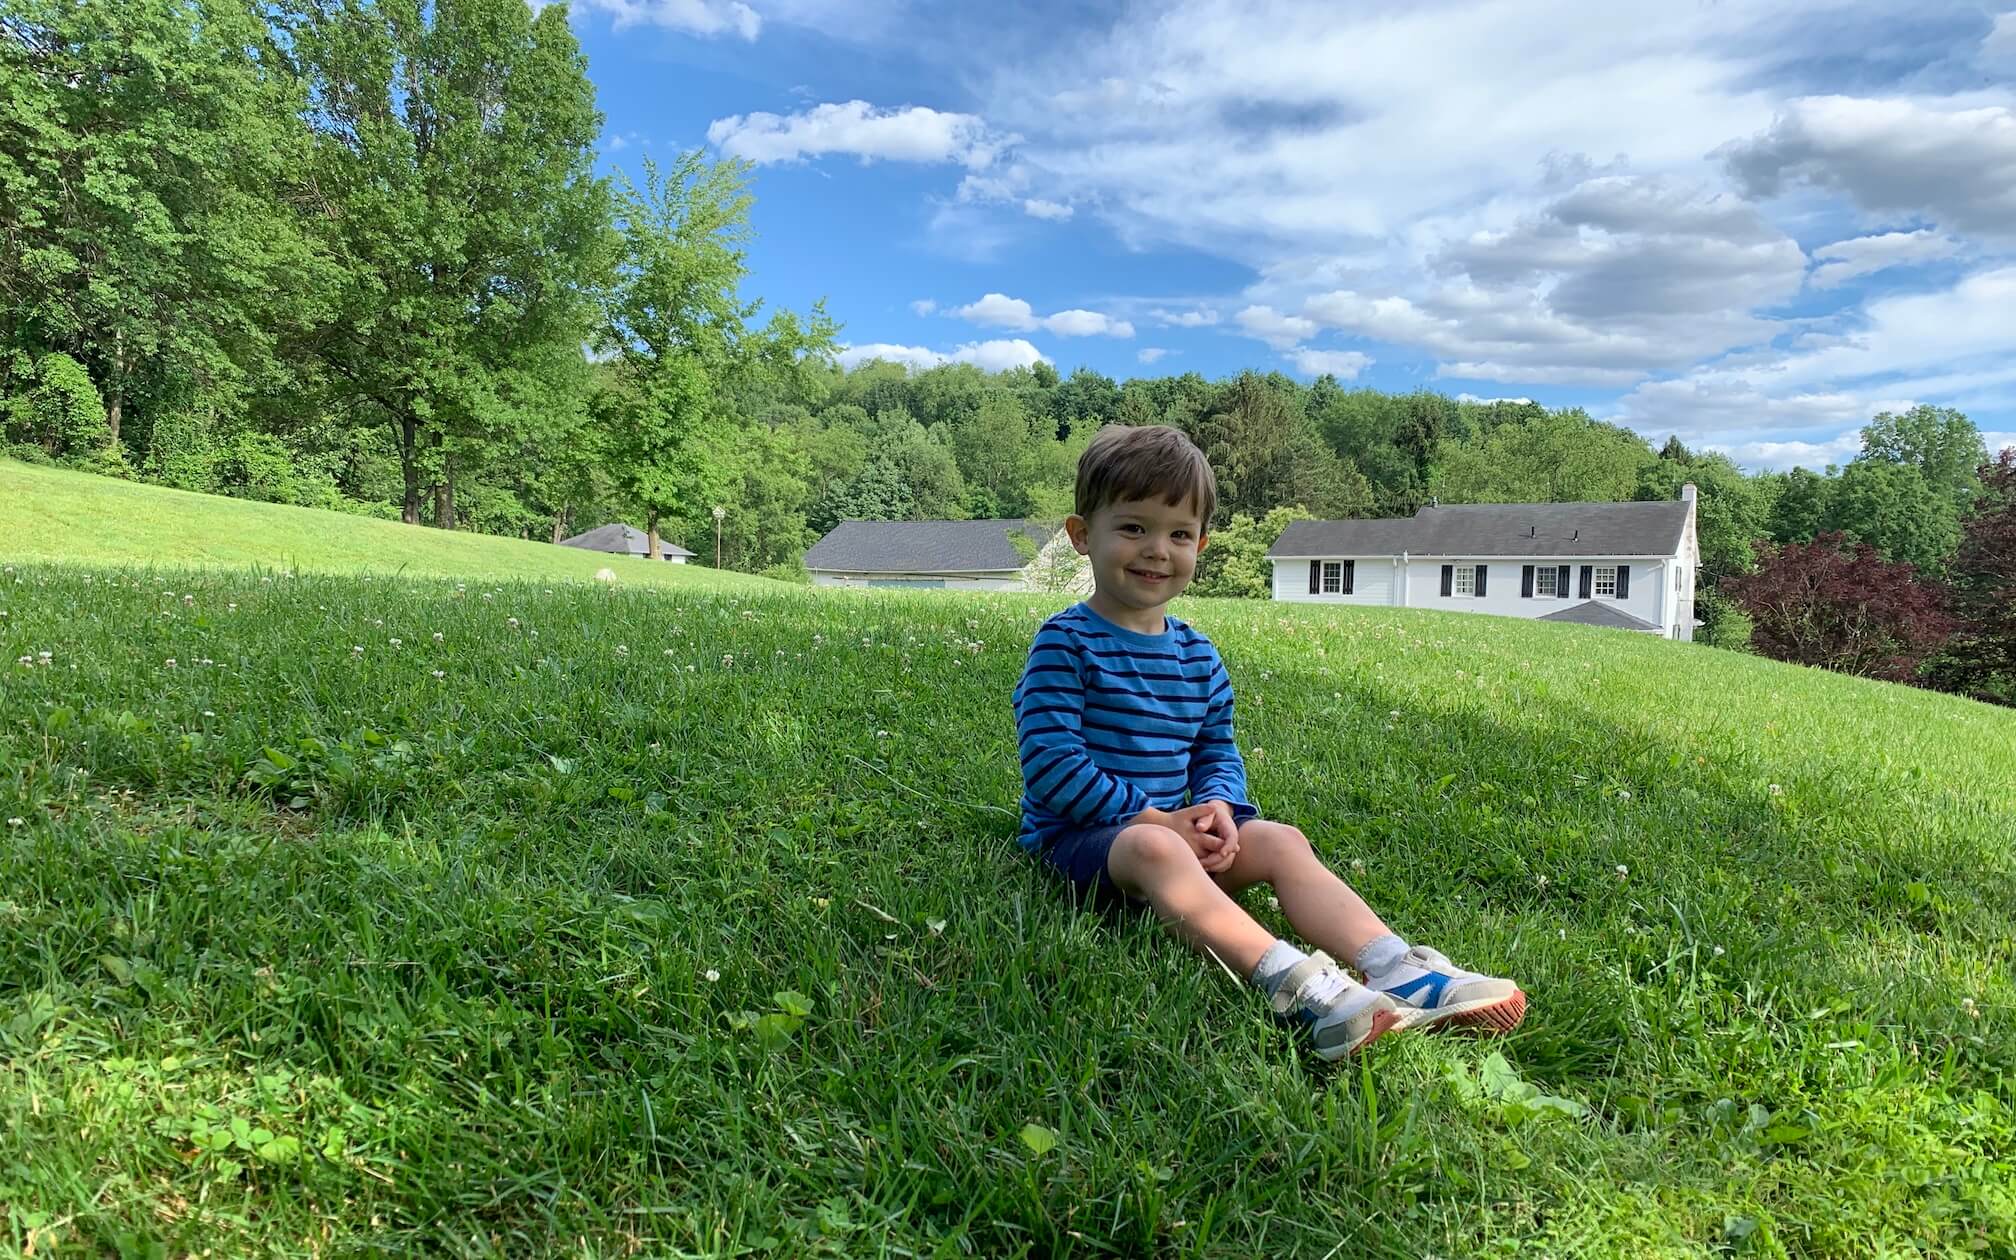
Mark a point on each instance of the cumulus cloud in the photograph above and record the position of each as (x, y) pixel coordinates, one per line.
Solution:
(913, 133)
(1956, 165)
(991, 356)
(1346, 364)
(1200, 317)
(695, 17)
(998, 310)
(1150, 354)
(1473, 398)
(1271, 326)
(1762, 455)
(2000, 42)
(1037, 207)
(1844, 260)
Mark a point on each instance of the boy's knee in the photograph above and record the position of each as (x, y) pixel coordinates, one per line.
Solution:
(1151, 844)
(1273, 842)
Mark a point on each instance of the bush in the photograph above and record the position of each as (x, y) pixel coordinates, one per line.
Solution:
(1724, 624)
(182, 451)
(788, 571)
(259, 466)
(64, 415)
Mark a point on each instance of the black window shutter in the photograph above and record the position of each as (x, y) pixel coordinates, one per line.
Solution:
(1315, 577)
(1350, 575)
(1448, 579)
(1561, 583)
(1526, 581)
(1588, 579)
(1623, 581)
(1482, 569)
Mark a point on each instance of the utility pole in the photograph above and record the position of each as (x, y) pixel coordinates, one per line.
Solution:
(719, 512)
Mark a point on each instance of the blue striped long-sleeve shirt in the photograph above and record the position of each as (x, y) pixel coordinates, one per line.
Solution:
(1112, 721)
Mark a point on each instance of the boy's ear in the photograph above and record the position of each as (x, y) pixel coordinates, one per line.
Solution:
(1079, 531)
(1203, 541)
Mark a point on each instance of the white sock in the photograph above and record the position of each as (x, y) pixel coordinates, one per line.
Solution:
(1379, 954)
(1274, 964)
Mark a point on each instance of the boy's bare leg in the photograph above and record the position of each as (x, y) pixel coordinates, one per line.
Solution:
(1323, 908)
(1155, 864)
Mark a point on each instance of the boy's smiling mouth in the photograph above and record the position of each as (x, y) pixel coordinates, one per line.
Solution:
(1146, 576)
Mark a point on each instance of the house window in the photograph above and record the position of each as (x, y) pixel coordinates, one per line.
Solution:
(1333, 577)
(1545, 582)
(1466, 580)
(1606, 581)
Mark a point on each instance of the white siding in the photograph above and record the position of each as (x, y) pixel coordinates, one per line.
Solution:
(1505, 580)
(950, 581)
(1372, 582)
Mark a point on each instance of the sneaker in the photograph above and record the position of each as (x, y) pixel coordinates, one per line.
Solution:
(1432, 992)
(1342, 1015)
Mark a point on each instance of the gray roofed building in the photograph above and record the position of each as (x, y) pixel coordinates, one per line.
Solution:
(622, 540)
(1624, 565)
(970, 554)
(1595, 614)
(1498, 529)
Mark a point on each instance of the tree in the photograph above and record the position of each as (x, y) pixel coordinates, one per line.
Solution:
(1841, 607)
(1799, 505)
(454, 145)
(1892, 508)
(1941, 443)
(1556, 457)
(1731, 512)
(150, 154)
(1235, 564)
(1266, 454)
(1981, 659)
(877, 493)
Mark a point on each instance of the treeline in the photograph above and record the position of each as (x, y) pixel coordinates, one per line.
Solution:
(356, 255)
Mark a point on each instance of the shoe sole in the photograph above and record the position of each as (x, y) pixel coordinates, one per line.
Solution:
(1485, 1016)
(1383, 1022)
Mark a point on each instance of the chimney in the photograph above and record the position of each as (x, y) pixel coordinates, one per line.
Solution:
(1687, 493)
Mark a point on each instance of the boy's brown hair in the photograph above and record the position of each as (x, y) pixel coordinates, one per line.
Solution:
(1130, 462)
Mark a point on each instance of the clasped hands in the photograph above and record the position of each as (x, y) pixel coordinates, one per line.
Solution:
(1207, 827)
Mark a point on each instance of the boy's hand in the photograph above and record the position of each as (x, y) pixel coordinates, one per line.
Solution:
(1214, 818)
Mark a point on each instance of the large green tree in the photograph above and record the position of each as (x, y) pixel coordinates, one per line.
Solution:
(1941, 443)
(1267, 454)
(452, 167)
(1895, 510)
(151, 171)
(1555, 457)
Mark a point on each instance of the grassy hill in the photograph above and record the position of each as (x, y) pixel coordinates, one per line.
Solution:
(357, 918)
(56, 514)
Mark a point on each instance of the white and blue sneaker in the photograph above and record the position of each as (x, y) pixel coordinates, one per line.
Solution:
(1432, 992)
(1343, 1016)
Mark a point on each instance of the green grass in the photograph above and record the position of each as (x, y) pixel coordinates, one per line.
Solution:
(575, 950)
(55, 514)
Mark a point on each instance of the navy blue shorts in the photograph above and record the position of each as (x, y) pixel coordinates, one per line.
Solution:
(1080, 857)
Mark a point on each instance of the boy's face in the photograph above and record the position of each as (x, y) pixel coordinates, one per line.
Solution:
(1143, 551)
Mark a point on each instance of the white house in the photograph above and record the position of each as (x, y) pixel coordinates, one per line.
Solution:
(622, 540)
(961, 555)
(1628, 565)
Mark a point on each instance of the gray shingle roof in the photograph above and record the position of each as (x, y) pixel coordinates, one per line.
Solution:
(1595, 614)
(1498, 529)
(622, 540)
(922, 546)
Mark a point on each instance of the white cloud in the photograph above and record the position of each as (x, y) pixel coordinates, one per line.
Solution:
(2000, 42)
(1037, 207)
(1201, 317)
(1915, 333)
(1271, 326)
(1844, 260)
(1473, 398)
(923, 306)
(1150, 354)
(991, 356)
(1080, 323)
(998, 310)
(1346, 364)
(1957, 165)
(1764, 455)
(696, 17)
(910, 134)
(1998, 442)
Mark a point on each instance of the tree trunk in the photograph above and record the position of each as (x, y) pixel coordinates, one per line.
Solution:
(559, 525)
(115, 401)
(409, 512)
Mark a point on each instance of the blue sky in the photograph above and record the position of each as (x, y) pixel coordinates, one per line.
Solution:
(1750, 225)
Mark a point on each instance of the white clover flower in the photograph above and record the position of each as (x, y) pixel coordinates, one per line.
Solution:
(170, 662)
(1966, 1003)
(1623, 794)
(1623, 871)
(357, 649)
(622, 650)
(1358, 866)
(28, 661)
(486, 595)
(230, 608)
(727, 660)
(712, 975)
(189, 600)
(17, 822)
(1719, 951)
(668, 651)
(209, 713)
(511, 622)
(439, 637)
(1541, 882)
(1776, 790)
(397, 642)
(440, 673)
(881, 735)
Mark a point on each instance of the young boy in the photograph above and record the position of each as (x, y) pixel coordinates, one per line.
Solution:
(1133, 784)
